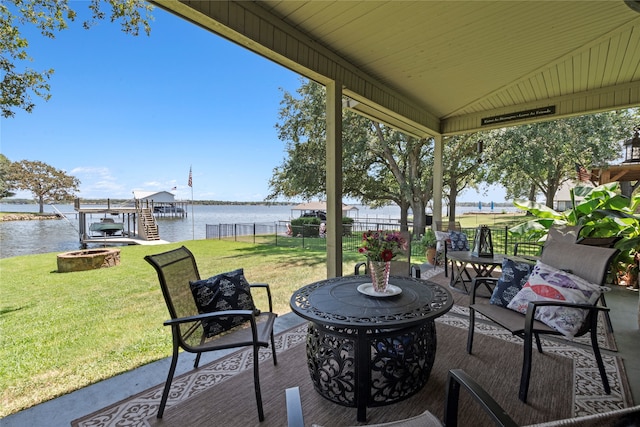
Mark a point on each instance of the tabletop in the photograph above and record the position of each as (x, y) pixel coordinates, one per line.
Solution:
(337, 302)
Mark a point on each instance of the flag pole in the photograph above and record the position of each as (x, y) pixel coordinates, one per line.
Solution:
(193, 227)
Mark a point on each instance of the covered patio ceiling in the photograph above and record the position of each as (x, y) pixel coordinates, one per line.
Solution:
(439, 68)
(446, 67)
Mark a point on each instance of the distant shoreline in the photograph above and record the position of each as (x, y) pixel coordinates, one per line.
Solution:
(210, 202)
(26, 216)
(121, 201)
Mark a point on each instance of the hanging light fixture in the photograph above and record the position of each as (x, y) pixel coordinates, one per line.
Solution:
(632, 148)
(480, 149)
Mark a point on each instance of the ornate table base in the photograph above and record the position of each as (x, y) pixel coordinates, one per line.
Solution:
(392, 364)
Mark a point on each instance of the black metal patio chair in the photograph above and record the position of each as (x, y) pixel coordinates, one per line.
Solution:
(587, 262)
(198, 332)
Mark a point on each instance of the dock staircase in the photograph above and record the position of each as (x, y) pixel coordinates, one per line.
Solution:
(147, 226)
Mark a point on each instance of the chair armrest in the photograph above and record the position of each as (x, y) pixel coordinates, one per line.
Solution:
(358, 266)
(268, 289)
(249, 314)
(476, 282)
(457, 378)
(533, 305)
(295, 418)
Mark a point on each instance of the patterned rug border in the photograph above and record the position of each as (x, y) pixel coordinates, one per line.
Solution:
(589, 396)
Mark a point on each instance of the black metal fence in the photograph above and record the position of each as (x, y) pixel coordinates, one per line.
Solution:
(280, 234)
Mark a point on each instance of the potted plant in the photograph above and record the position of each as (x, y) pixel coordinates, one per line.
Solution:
(628, 270)
(429, 242)
(604, 212)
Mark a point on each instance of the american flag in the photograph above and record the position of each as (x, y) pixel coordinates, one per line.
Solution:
(190, 183)
(583, 174)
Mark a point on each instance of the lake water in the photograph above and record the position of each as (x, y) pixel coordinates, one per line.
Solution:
(43, 236)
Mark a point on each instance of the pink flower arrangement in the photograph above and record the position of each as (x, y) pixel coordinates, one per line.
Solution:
(382, 245)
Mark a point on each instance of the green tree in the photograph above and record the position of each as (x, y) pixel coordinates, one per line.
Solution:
(462, 165)
(540, 157)
(380, 165)
(46, 183)
(19, 82)
(4, 171)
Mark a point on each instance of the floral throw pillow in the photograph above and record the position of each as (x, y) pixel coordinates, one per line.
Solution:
(226, 291)
(514, 276)
(550, 284)
(458, 241)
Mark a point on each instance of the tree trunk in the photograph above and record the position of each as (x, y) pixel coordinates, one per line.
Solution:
(453, 195)
(404, 216)
(41, 203)
(419, 217)
(532, 193)
(550, 195)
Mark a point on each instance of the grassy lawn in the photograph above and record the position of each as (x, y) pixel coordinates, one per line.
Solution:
(491, 219)
(63, 331)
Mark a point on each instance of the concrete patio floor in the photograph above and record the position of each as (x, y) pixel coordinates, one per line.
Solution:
(61, 411)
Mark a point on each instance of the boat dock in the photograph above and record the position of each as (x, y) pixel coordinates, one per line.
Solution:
(118, 240)
(128, 225)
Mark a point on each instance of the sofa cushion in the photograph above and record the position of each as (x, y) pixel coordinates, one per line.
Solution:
(222, 292)
(546, 283)
(514, 276)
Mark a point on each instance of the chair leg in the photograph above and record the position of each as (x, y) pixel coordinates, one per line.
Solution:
(167, 384)
(472, 322)
(273, 349)
(538, 343)
(446, 267)
(526, 368)
(256, 382)
(203, 338)
(596, 353)
(607, 318)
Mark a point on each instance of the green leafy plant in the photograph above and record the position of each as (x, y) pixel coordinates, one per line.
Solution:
(604, 212)
(428, 239)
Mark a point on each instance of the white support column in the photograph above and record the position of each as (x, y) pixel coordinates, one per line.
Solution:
(438, 172)
(334, 179)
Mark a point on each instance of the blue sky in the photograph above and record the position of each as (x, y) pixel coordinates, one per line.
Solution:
(135, 113)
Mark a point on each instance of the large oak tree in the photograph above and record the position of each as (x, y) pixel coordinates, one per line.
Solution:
(380, 164)
(4, 171)
(538, 158)
(46, 183)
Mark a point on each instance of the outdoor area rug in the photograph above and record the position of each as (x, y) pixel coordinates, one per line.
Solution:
(565, 383)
